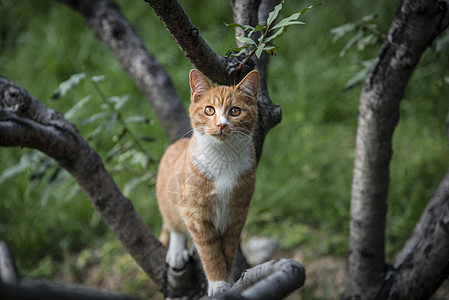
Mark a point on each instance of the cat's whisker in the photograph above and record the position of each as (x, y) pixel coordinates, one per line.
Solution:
(188, 133)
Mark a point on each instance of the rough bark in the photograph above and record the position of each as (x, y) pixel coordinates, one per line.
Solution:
(253, 12)
(26, 122)
(222, 70)
(271, 280)
(426, 265)
(416, 24)
(109, 25)
(424, 259)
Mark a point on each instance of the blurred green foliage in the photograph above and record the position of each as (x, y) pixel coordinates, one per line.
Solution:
(304, 177)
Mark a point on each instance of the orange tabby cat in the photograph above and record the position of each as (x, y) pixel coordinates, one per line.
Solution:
(205, 183)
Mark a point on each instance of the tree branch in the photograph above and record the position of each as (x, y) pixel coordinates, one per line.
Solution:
(253, 12)
(109, 25)
(26, 122)
(221, 70)
(272, 280)
(8, 269)
(416, 24)
(425, 255)
(423, 264)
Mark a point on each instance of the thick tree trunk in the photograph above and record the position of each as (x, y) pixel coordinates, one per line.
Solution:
(25, 122)
(416, 24)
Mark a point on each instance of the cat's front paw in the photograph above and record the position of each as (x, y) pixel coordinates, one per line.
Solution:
(218, 287)
(177, 258)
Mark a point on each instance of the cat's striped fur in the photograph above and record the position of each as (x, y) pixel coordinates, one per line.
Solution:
(205, 183)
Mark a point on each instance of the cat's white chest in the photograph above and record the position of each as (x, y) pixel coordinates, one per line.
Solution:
(223, 162)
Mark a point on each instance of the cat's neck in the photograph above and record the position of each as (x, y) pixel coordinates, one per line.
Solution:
(215, 158)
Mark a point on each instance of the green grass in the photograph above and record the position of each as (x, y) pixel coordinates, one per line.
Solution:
(304, 177)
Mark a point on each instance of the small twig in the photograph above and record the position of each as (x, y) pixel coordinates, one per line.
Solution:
(111, 107)
(254, 50)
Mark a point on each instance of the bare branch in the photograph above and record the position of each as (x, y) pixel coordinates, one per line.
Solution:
(108, 24)
(423, 264)
(271, 280)
(416, 24)
(26, 122)
(8, 268)
(221, 70)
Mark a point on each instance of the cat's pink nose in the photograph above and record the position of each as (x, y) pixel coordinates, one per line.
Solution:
(222, 125)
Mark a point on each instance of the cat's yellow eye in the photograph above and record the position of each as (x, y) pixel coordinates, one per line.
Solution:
(235, 111)
(209, 110)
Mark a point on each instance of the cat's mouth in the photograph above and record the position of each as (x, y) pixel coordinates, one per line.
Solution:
(220, 135)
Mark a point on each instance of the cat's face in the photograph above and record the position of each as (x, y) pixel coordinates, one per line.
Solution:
(222, 111)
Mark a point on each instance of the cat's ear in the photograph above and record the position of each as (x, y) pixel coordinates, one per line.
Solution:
(198, 84)
(248, 86)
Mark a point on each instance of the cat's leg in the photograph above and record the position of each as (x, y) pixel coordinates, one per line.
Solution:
(208, 244)
(230, 240)
(177, 254)
(165, 236)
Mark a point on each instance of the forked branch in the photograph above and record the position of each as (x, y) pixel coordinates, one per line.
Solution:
(25, 122)
(416, 24)
(109, 25)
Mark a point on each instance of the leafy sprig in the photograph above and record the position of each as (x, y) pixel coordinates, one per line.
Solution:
(270, 32)
(360, 35)
(107, 127)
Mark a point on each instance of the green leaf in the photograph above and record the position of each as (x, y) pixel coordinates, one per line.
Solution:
(246, 40)
(136, 119)
(303, 11)
(67, 85)
(98, 78)
(71, 112)
(26, 162)
(292, 20)
(276, 35)
(235, 52)
(119, 101)
(351, 43)
(370, 17)
(370, 39)
(288, 21)
(259, 50)
(94, 117)
(259, 28)
(131, 185)
(360, 77)
(232, 25)
(274, 14)
(340, 31)
(235, 25)
(272, 50)
(139, 158)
